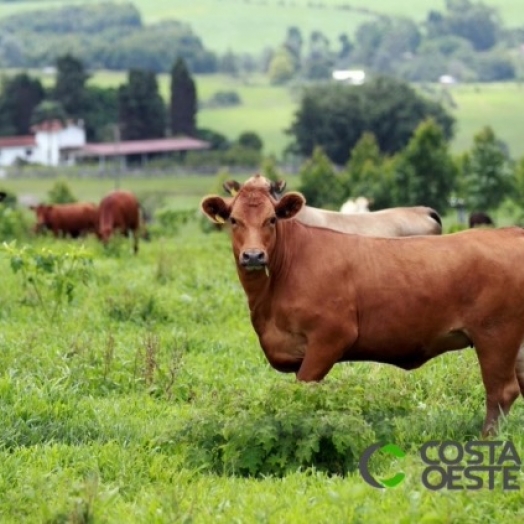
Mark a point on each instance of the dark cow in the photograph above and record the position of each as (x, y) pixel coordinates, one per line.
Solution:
(392, 222)
(74, 220)
(317, 297)
(480, 218)
(119, 212)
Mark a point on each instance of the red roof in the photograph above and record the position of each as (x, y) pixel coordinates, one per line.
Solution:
(17, 141)
(132, 147)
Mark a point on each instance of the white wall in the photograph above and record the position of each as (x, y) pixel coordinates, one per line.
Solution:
(8, 156)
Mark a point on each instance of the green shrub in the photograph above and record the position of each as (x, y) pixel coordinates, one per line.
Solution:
(61, 193)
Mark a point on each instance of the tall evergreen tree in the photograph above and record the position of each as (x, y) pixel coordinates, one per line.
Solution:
(18, 99)
(141, 110)
(183, 105)
(70, 87)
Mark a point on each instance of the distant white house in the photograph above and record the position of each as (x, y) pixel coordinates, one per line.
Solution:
(447, 80)
(349, 76)
(52, 143)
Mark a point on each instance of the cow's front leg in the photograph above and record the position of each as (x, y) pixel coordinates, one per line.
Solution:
(325, 348)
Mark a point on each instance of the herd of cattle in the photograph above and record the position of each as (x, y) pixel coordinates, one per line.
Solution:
(324, 287)
(117, 212)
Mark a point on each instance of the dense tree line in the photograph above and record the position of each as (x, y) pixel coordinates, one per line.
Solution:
(335, 116)
(423, 172)
(468, 41)
(107, 36)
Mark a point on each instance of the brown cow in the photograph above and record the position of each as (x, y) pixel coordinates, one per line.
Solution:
(393, 222)
(318, 297)
(73, 220)
(119, 212)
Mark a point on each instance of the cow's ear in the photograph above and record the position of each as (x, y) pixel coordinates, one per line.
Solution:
(289, 205)
(231, 187)
(277, 188)
(216, 209)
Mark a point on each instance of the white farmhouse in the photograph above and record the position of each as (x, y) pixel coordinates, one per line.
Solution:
(52, 143)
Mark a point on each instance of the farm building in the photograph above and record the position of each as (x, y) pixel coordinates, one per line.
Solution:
(51, 144)
(54, 143)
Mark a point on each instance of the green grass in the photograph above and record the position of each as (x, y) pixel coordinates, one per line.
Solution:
(98, 404)
(497, 105)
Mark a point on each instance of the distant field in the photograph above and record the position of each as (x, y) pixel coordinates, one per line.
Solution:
(252, 25)
(269, 110)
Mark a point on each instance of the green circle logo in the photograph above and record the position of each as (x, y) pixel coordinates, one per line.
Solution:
(363, 465)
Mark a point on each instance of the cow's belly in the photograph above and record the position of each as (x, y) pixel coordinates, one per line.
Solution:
(408, 353)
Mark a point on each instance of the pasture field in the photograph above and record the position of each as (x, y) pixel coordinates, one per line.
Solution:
(253, 25)
(268, 110)
(147, 399)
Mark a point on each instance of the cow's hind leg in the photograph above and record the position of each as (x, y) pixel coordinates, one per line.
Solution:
(498, 361)
(519, 368)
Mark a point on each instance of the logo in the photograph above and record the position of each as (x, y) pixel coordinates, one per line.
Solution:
(363, 465)
(451, 465)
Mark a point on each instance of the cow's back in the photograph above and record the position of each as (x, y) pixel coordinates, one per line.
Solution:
(73, 219)
(120, 211)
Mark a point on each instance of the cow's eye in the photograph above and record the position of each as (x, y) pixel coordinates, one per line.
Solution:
(273, 220)
(232, 221)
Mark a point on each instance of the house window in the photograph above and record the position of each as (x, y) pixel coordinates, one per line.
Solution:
(28, 152)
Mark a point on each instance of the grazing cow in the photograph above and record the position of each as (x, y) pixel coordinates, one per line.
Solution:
(119, 212)
(480, 219)
(74, 220)
(359, 205)
(318, 297)
(393, 222)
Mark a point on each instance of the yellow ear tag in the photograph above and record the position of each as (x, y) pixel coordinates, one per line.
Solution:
(233, 192)
(219, 219)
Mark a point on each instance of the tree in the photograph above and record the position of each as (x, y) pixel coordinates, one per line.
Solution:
(319, 182)
(70, 87)
(487, 175)
(250, 140)
(141, 110)
(281, 67)
(183, 105)
(425, 170)
(335, 116)
(48, 110)
(19, 97)
(368, 173)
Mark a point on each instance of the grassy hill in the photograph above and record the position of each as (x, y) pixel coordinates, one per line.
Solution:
(252, 25)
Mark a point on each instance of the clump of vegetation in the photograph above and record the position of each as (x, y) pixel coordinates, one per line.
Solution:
(61, 193)
(50, 277)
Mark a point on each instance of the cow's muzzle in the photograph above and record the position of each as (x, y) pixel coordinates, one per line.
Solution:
(252, 259)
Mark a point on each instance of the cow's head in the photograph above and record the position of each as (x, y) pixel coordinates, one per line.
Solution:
(42, 213)
(253, 215)
(232, 187)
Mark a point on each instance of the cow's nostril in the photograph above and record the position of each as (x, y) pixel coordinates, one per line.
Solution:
(260, 256)
(245, 256)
